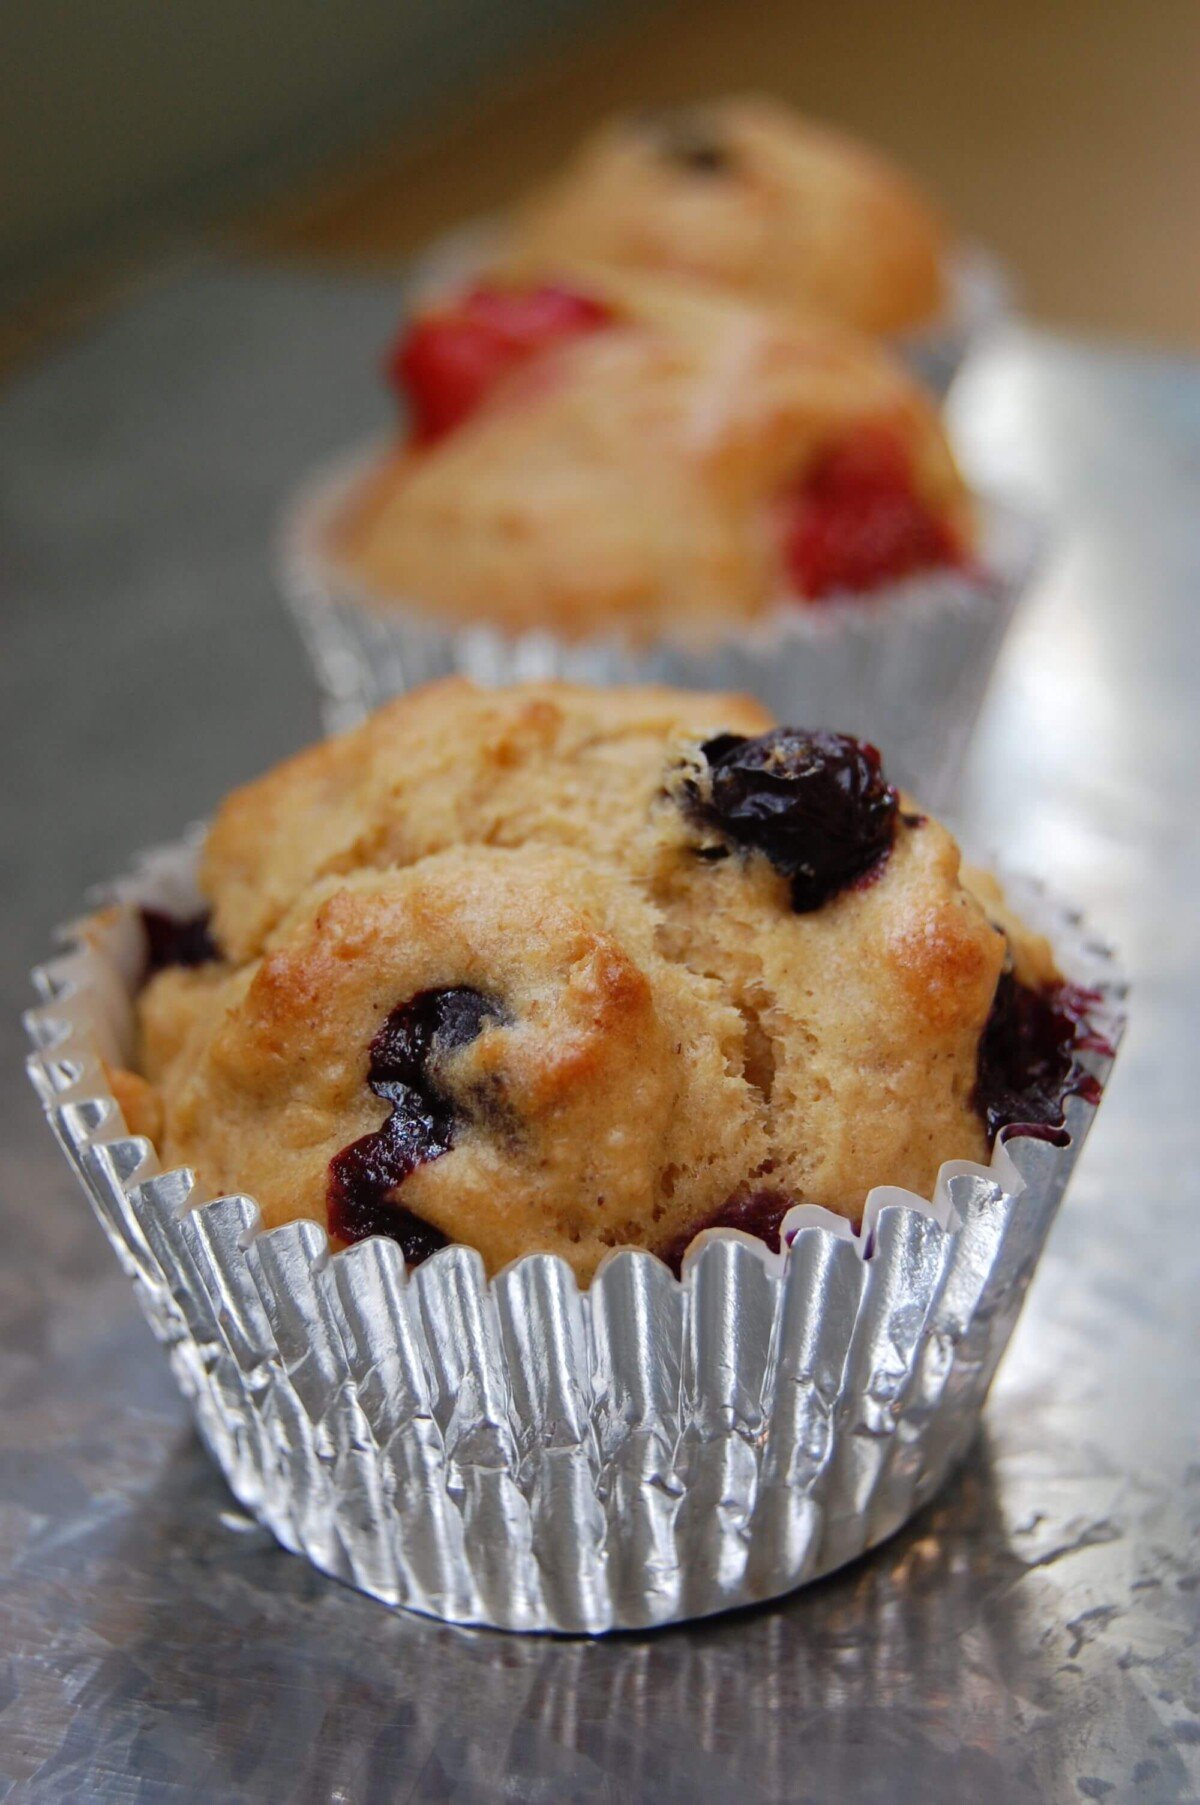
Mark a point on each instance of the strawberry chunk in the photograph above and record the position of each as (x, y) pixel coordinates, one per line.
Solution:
(856, 521)
(446, 363)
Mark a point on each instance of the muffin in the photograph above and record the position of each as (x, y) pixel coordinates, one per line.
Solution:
(562, 970)
(613, 478)
(750, 196)
(633, 978)
(620, 455)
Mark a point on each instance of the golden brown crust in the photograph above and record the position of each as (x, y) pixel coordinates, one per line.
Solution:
(667, 1031)
(569, 1116)
(1032, 958)
(797, 215)
(539, 764)
(137, 1100)
(630, 488)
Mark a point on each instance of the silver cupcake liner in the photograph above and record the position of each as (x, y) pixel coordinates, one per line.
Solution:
(979, 296)
(979, 302)
(523, 1454)
(905, 668)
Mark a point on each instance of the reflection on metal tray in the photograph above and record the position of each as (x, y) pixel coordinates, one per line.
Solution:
(1032, 1635)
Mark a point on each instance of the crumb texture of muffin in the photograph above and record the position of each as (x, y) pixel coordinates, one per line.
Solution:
(748, 195)
(556, 969)
(636, 456)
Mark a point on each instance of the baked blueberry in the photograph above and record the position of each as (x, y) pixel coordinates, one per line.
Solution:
(816, 804)
(1029, 1056)
(175, 940)
(403, 1071)
(690, 141)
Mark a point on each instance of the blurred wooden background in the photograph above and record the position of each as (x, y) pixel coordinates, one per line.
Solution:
(1063, 133)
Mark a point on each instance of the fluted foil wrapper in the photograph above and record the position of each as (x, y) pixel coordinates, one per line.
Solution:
(979, 296)
(979, 303)
(524, 1454)
(905, 667)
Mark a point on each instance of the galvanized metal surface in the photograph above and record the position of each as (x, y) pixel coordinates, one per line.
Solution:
(1033, 1635)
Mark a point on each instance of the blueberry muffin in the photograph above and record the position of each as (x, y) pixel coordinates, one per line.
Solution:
(619, 455)
(562, 969)
(746, 194)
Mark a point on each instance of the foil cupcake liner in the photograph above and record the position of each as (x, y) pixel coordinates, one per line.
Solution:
(905, 668)
(980, 301)
(979, 296)
(523, 1454)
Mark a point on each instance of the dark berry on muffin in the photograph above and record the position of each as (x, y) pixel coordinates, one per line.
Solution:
(172, 940)
(759, 1212)
(817, 804)
(403, 1071)
(1029, 1056)
(690, 141)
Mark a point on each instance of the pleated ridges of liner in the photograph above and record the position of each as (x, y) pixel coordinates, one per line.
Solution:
(517, 1453)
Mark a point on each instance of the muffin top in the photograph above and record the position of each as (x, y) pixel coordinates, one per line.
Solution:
(747, 194)
(560, 969)
(615, 454)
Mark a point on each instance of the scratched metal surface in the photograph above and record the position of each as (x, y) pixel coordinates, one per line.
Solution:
(1033, 1636)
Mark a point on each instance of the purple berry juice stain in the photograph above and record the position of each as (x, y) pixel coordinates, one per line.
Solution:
(1029, 1058)
(421, 1126)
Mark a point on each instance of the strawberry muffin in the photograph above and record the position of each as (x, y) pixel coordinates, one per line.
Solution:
(619, 455)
